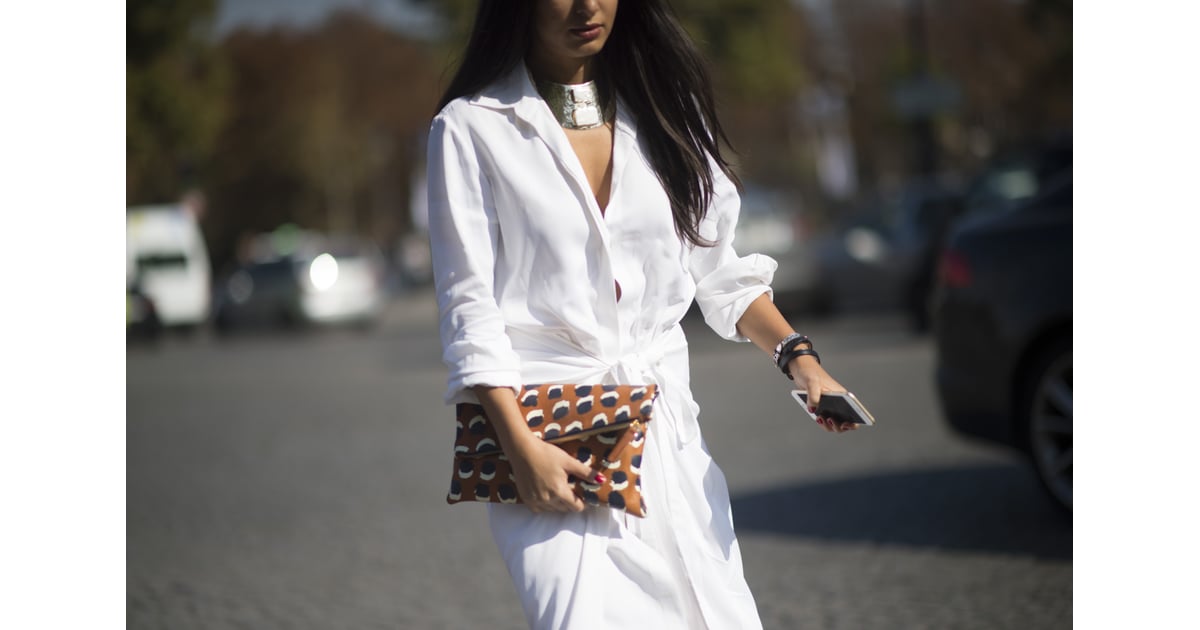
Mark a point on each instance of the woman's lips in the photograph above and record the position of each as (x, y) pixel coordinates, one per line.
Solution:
(588, 32)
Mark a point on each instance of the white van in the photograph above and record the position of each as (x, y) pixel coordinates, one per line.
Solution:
(166, 259)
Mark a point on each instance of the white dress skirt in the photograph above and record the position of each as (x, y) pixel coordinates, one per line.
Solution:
(526, 267)
(677, 567)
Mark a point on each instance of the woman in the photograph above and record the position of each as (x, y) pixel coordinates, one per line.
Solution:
(579, 202)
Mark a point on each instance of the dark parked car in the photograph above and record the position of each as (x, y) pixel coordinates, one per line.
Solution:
(883, 256)
(320, 281)
(259, 294)
(1018, 177)
(1003, 330)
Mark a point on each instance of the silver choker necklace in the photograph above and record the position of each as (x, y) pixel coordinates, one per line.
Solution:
(576, 106)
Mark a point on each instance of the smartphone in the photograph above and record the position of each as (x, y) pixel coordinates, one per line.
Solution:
(841, 406)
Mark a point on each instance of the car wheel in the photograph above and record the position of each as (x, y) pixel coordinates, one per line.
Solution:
(1048, 398)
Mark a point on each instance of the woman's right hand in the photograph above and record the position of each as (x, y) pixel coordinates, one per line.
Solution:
(542, 473)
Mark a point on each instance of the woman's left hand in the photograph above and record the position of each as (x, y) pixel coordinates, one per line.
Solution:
(763, 324)
(811, 377)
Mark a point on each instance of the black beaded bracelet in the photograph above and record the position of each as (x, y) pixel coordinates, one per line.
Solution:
(788, 356)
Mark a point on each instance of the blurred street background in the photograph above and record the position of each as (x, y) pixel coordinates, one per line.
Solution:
(908, 163)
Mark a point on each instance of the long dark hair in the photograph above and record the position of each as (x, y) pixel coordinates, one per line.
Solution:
(657, 72)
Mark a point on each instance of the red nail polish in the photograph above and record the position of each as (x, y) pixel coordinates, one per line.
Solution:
(599, 478)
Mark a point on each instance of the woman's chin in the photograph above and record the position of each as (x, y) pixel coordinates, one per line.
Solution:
(587, 48)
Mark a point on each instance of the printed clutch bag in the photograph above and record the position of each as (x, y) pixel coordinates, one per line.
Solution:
(603, 426)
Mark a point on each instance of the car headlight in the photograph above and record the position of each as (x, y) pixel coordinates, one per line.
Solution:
(323, 272)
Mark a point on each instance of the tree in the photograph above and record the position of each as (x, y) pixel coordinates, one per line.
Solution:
(175, 91)
(326, 127)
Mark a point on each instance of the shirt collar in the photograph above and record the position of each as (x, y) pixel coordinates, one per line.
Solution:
(514, 91)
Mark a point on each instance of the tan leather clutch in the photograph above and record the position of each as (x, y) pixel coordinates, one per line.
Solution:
(603, 426)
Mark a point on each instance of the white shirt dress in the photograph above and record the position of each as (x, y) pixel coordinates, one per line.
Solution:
(526, 268)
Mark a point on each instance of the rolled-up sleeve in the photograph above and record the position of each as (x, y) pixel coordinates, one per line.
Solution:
(464, 238)
(726, 284)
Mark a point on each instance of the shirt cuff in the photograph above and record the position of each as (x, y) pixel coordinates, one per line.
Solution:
(726, 293)
(459, 390)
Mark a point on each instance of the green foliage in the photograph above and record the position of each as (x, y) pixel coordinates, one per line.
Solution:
(752, 44)
(175, 85)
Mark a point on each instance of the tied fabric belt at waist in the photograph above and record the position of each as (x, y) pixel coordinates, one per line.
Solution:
(553, 358)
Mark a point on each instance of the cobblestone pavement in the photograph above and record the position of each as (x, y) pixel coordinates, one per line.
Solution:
(297, 481)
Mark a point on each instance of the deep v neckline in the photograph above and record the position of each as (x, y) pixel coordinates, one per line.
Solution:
(608, 187)
(610, 173)
(555, 138)
(615, 166)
